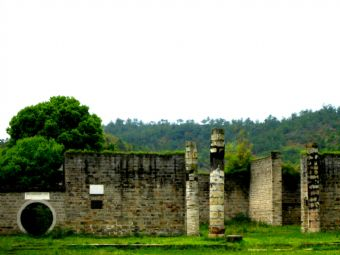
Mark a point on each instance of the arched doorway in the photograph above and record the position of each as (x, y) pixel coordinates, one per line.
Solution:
(36, 218)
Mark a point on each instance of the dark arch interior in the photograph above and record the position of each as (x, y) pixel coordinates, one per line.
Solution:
(36, 219)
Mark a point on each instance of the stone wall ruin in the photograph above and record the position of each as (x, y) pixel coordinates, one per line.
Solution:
(320, 190)
(162, 194)
(118, 194)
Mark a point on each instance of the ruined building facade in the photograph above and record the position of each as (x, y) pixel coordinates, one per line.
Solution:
(118, 194)
(162, 194)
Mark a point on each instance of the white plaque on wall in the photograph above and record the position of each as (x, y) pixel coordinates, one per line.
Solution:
(37, 196)
(96, 189)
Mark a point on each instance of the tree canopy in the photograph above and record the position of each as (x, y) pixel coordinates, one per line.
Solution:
(32, 163)
(61, 118)
(113, 143)
(238, 154)
(39, 135)
(288, 135)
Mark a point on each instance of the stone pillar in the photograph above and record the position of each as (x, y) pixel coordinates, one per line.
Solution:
(310, 190)
(276, 188)
(216, 191)
(192, 203)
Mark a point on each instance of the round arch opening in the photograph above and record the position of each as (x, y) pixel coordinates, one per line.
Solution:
(36, 218)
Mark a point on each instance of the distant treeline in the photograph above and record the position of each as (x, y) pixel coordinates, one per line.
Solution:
(289, 135)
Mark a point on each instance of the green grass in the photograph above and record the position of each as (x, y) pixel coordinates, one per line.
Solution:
(257, 239)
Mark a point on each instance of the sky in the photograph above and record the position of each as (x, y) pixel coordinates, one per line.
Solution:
(171, 59)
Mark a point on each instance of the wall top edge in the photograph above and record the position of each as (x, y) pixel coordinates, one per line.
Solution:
(119, 153)
(273, 155)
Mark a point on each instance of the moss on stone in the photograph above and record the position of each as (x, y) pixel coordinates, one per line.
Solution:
(273, 154)
(323, 153)
(333, 153)
(203, 172)
(109, 153)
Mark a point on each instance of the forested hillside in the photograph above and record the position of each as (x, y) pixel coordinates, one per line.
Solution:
(288, 135)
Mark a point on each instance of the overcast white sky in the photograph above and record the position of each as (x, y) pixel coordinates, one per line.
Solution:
(168, 59)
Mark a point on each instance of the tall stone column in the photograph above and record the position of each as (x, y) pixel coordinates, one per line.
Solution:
(276, 188)
(216, 191)
(310, 190)
(192, 203)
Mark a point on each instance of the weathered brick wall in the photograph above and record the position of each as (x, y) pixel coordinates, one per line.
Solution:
(265, 192)
(142, 193)
(310, 190)
(203, 196)
(320, 191)
(260, 193)
(235, 198)
(330, 192)
(291, 205)
(276, 189)
(146, 194)
(11, 203)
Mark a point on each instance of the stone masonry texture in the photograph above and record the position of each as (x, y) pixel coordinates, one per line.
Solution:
(216, 190)
(320, 191)
(192, 202)
(163, 194)
(235, 198)
(330, 192)
(265, 192)
(11, 203)
(143, 194)
(310, 190)
(291, 205)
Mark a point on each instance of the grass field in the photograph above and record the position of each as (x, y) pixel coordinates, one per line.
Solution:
(257, 239)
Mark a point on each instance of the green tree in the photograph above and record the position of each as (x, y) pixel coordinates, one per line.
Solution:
(3, 143)
(113, 143)
(288, 135)
(39, 135)
(61, 118)
(32, 163)
(238, 154)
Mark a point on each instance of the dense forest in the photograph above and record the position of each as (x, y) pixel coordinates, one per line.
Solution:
(289, 135)
(40, 134)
